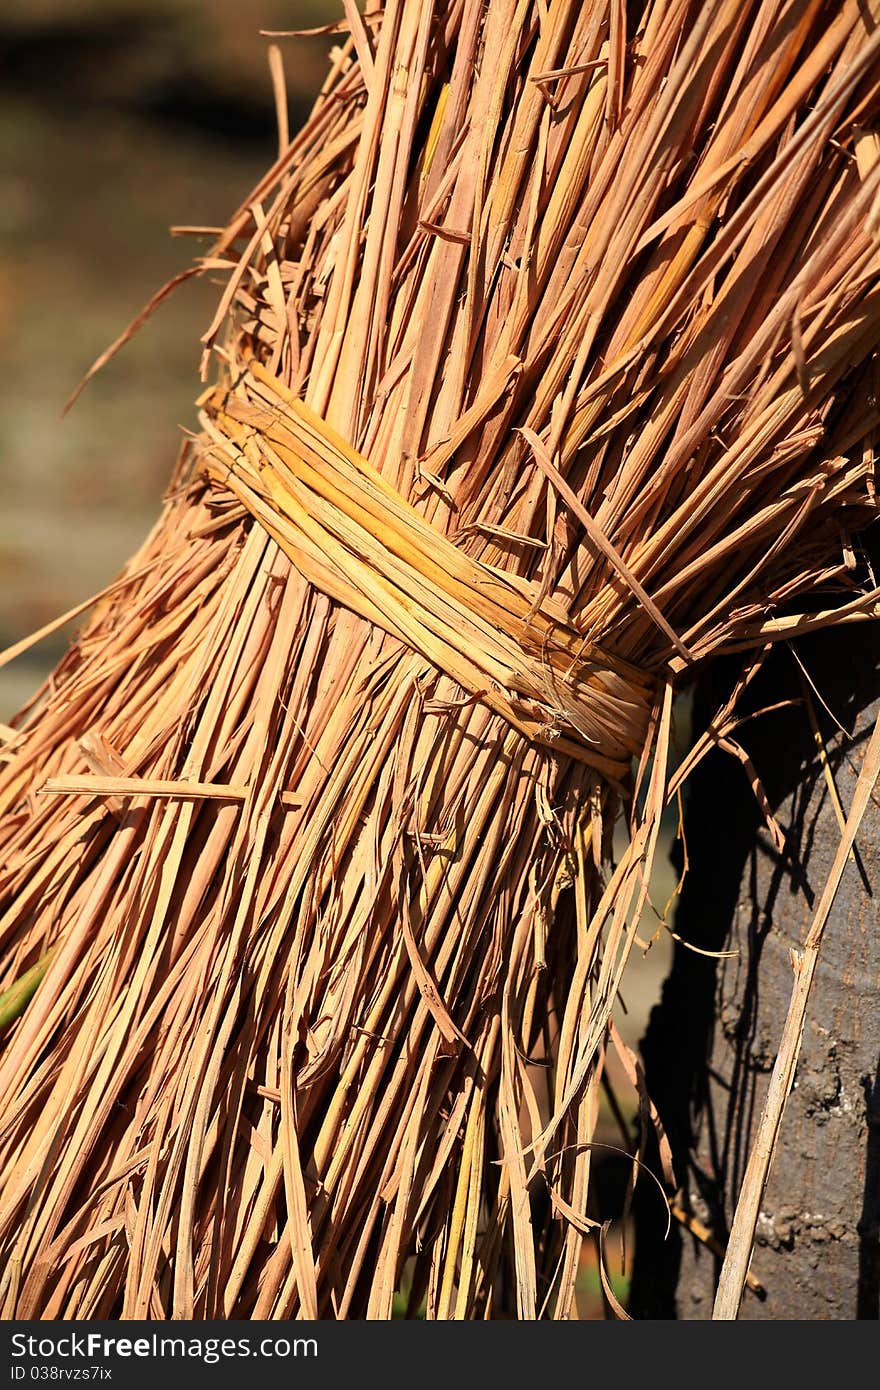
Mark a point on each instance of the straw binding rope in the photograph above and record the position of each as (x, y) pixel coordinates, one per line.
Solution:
(353, 536)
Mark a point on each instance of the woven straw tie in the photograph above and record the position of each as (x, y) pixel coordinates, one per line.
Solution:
(359, 541)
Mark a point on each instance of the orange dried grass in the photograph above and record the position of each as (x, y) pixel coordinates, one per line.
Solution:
(547, 370)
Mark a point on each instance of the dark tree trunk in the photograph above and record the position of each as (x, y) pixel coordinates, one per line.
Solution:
(712, 1040)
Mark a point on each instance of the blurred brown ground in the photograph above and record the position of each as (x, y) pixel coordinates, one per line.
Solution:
(118, 118)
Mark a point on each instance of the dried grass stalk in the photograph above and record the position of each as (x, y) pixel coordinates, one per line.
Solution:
(546, 370)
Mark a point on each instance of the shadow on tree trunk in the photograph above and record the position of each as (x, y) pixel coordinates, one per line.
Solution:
(711, 1041)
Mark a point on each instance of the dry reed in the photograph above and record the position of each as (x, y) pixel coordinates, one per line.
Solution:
(545, 370)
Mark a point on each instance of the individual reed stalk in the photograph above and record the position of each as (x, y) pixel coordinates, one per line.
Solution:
(544, 370)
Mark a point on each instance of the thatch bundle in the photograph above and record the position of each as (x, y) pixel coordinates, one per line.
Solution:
(545, 370)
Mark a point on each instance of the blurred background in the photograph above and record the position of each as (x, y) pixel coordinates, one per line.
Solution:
(118, 119)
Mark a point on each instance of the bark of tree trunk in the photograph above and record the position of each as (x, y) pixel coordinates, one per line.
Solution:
(711, 1041)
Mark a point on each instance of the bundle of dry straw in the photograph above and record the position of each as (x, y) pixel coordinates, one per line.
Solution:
(546, 369)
